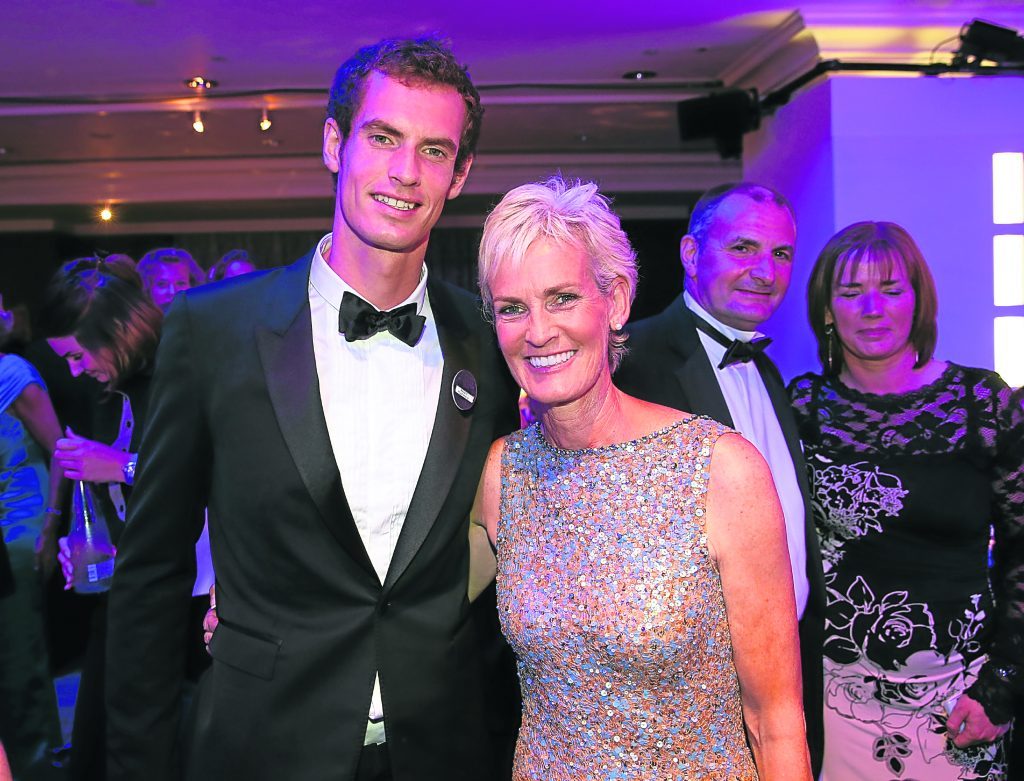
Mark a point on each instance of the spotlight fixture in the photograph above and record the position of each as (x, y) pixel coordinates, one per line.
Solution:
(200, 83)
(197, 122)
(265, 122)
(723, 116)
(638, 75)
(106, 214)
(985, 41)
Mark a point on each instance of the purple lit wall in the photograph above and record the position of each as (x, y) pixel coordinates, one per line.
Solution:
(916, 151)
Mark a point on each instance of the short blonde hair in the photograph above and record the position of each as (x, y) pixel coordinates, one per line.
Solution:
(572, 214)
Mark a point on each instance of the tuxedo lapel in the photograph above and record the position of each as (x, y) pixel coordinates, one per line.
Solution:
(447, 439)
(701, 391)
(285, 347)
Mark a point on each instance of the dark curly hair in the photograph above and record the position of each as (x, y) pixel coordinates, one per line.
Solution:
(427, 60)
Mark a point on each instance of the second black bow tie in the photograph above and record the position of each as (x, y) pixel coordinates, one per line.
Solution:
(358, 319)
(741, 352)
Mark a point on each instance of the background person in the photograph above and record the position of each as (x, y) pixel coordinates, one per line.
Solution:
(166, 272)
(643, 578)
(29, 724)
(913, 459)
(106, 327)
(234, 263)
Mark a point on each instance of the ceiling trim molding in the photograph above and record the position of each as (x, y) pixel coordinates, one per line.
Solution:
(247, 179)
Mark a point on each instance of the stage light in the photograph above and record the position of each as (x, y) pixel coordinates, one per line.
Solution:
(985, 41)
(197, 122)
(723, 116)
(106, 214)
(265, 122)
(200, 83)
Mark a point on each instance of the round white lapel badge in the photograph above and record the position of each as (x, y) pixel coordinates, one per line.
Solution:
(464, 390)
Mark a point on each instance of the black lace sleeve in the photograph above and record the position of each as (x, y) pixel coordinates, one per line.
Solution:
(1002, 677)
(801, 392)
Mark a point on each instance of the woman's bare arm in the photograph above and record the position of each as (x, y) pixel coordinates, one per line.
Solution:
(35, 410)
(483, 523)
(747, 537)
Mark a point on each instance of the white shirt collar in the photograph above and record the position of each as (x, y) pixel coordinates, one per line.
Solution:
(332, 287)
(729, 331)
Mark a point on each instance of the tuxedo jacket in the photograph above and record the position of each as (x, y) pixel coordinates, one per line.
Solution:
(667, 365)
(236, 424)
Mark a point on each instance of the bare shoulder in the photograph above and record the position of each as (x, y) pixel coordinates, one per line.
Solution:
(647, 417)
(736, 459)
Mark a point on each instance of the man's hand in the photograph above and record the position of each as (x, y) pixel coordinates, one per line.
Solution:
(968, 725)
(210, 621)
(85, 459)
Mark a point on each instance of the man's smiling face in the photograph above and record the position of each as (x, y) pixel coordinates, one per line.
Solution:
(396, 168)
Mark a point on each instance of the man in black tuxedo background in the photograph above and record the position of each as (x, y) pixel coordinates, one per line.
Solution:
(703, 354)
(334, 415)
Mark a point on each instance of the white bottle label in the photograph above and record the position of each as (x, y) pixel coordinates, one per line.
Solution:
(101, 571)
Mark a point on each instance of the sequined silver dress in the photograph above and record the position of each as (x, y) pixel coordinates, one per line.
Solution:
(608, 596)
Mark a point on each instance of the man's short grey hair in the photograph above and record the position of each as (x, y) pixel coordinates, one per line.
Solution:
(568, 213)
(705, 208)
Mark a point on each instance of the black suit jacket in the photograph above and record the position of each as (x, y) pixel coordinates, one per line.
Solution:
(236, 423)
(667, 365)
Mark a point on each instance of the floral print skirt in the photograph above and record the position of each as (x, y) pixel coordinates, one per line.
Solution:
(886, 726)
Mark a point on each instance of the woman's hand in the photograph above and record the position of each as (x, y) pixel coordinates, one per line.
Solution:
(968, 724)
(66, 567)
(85, 459)
(210, 621)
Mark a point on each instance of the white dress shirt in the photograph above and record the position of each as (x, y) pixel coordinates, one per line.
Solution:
(754, 417)
(379, 397)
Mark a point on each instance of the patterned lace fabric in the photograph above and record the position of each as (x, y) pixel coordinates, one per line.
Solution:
(608, 595)
(907, 491)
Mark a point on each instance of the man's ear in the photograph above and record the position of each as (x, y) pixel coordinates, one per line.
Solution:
(459, 178)
(688, 252)
(333, 144)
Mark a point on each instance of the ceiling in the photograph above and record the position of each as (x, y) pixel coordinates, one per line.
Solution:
(93, 109)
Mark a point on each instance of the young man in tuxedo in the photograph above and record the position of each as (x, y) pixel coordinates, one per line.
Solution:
(703, 355)
(334, 415)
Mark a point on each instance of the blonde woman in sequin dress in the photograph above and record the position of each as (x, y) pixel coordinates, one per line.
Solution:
(642, 573)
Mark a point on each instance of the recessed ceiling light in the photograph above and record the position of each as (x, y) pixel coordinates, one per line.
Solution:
(200, 83)
(638, 75)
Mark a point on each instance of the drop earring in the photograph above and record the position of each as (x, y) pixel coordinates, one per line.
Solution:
(830, 345)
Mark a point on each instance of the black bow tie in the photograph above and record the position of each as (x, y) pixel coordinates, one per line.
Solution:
(358, 319)
(736, 350)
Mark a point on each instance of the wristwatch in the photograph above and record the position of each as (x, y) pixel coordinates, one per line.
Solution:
(129, 468)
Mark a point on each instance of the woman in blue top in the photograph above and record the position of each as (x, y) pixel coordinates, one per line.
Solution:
(29, 725)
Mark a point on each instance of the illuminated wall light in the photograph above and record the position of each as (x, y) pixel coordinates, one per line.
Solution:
(1008, 271)
(1009, 339)
(197, 123)
(265, 122)
(1008, 188)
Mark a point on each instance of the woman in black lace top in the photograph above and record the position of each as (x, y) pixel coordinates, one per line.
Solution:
(917, 464)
